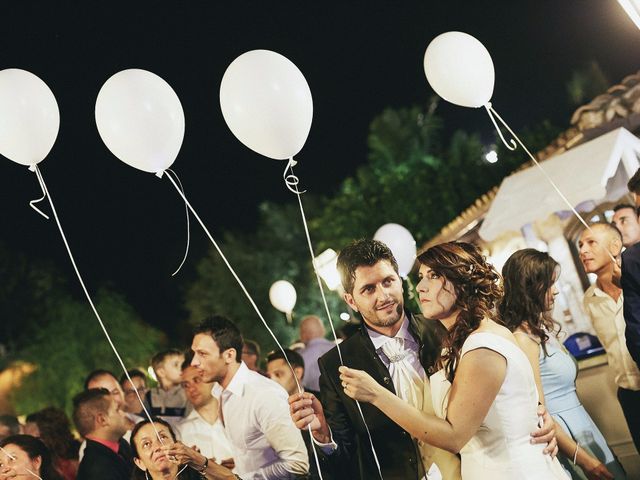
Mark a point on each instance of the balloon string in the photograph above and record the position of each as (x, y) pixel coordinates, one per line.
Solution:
(246, 293)
(511, 145)
(33, 474)
(233, 272)
(32, 203)
(186, 251)
(86, 292)
(493, 113)
(292, 182)
(290, 179)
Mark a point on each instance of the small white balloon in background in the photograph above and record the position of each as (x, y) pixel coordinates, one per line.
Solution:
(283, 296)
(29, 117)
(459, 68)
(267, 103)
(140, 119)
(401, 243)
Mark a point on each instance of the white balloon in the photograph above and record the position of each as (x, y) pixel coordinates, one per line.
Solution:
(29, 117)
(267, 103)
(140, 119)
(459, 68)
(401, 243)
(283, 296)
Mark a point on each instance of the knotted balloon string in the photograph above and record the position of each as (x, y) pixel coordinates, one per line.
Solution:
(290, 179)
(32, 203)
(43, 185)
(292, 182)
(10, 456)
(511, 145)
(186, 251)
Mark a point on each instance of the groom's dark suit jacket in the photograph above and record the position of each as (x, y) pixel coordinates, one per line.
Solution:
(397, 452)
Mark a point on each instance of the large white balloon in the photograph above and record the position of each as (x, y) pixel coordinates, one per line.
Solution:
(283, 296)
(459, 68)
(29, 117)
(140, 119)
(401, 243)
(267, 103)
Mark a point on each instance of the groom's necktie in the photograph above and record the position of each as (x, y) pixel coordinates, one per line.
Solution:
(408, 382)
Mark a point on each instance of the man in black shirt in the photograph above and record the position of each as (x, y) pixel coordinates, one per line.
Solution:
(101, 421)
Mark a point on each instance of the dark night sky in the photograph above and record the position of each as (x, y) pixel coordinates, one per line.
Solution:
(126, 227)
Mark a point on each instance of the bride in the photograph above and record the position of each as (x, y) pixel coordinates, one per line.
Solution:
(484, 395)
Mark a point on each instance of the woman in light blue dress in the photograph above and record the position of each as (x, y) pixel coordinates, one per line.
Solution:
(529, 277)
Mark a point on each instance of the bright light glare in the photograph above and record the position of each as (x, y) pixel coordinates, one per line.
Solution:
(345, 316)
(492, 156)
(632, 7)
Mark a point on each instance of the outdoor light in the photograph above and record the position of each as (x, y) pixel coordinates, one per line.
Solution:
(632, 7)
(491, 157)
(344, 316)
(327, 268)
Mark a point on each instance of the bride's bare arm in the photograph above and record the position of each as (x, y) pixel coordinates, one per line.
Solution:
(479, 377)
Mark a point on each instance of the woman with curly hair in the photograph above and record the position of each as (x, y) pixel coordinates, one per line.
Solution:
(485, 395)
(52, 426)
(24, 456)
(529, 290)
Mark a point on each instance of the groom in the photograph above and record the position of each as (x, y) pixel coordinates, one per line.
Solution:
(397, 349)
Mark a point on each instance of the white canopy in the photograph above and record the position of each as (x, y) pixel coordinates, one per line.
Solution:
(597, 170)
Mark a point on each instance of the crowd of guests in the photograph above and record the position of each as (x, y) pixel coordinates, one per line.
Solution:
(187, 437)
(477, 386)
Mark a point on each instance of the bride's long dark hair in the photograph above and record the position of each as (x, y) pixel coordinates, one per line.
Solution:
(476, 286)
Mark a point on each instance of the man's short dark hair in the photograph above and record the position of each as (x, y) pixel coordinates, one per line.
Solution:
(159, 358)
(87, 405)
(622, 206)
(188, 357)
(11, 423)
(295, 359)
(133, 374)
(362, 253)
(634, 183)
(224, 332)
(97, 374)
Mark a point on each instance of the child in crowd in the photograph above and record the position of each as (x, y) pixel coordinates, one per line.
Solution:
(168, 400)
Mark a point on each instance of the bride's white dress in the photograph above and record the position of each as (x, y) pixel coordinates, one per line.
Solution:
(501, 448)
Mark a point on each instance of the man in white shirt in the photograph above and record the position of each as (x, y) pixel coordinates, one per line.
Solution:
(202, 428)
(603, 301)
(253, 409)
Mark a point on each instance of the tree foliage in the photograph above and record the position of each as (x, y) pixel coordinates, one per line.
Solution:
(586, 83)
(276, 251)
(69, 344)
(415, 179)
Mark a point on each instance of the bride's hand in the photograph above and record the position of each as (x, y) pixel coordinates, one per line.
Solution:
(359, 385)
